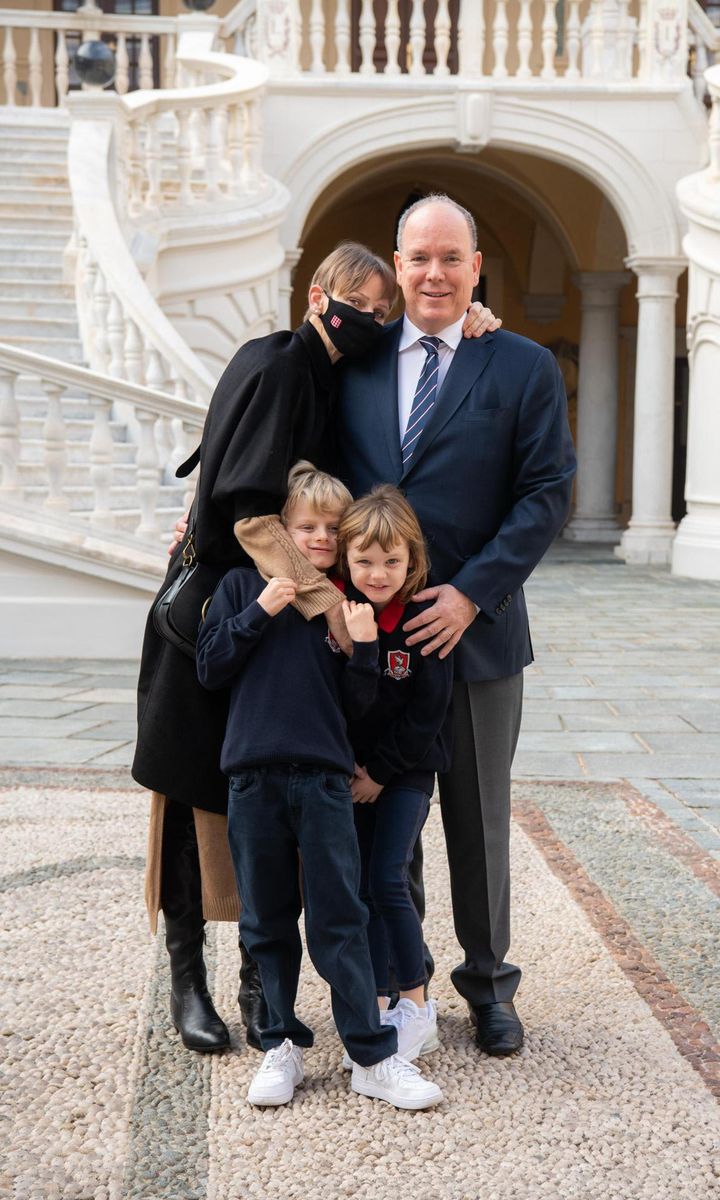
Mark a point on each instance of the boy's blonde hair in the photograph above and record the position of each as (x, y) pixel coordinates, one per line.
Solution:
(348, 267)
(323, 492)
(384, 516)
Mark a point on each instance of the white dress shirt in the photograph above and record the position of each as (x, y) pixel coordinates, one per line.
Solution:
(411, 359)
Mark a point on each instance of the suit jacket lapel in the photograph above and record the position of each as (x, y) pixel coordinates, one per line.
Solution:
(383, 381)
(469, 362)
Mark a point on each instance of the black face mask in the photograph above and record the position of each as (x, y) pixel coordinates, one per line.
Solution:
(352, 333)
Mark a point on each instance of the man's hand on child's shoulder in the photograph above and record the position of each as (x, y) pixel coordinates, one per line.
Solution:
(277, 595)
(360, 621)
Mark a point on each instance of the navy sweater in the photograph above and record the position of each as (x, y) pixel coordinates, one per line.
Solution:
(289, 683)
(404, 738)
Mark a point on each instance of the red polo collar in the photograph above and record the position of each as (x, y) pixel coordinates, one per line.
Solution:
(390, 617)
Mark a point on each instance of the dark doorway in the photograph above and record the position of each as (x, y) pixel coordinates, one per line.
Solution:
(680, 428)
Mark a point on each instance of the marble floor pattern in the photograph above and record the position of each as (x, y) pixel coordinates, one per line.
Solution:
(614, 1096)
(616, 876)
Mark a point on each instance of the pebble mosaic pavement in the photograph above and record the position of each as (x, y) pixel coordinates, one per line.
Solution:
(616, 872)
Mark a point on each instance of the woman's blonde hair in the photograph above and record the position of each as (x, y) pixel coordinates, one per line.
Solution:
(323, 492)
(348, 267)
(384, 516)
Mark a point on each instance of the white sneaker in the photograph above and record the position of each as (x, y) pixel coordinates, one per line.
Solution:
(416, 1029)
(397, 1081)
(281, 1072)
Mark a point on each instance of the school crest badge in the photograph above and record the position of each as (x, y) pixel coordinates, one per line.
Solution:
(398, 664)
(330, 641)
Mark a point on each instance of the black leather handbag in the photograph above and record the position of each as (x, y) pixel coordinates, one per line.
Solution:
(177, 613)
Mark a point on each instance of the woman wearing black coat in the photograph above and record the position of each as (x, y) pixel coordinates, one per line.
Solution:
(272, 406)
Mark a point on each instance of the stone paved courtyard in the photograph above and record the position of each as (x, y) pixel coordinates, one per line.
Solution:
(616, 869)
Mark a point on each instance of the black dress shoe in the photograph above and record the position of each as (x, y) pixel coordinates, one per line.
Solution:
(253, 1007)
(498, 1029)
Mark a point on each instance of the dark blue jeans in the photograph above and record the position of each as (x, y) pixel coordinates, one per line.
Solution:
(387, 831)
(274, 812)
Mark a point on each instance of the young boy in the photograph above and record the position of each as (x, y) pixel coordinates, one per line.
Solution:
(287, 753)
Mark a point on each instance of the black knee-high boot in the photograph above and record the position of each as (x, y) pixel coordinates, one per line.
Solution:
(191, 1007)
(253, 1008)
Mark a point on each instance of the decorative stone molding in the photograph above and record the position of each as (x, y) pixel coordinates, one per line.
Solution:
(696, 549)
(649, 535)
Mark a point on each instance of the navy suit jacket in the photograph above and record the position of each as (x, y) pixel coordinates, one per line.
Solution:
(490, 479)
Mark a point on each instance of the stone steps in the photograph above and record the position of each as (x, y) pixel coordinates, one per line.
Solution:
(35, 274)
(51, 244)
(33, 307)
(38, 313)
(54, 328)
(27, 289)
(67, 350)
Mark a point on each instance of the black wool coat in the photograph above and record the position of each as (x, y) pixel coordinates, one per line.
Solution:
(272, 406)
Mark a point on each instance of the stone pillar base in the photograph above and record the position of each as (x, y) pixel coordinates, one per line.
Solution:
(592, 529)
(696, 549)
(649, 543)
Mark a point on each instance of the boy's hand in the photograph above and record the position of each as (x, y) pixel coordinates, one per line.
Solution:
(360, 621)
(479, 320)
(364, 789)
(336, 625)
(277, 595)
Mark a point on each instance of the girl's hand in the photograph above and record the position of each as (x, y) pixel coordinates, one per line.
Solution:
(364, 789)
(360, 621)
(479, 320)
(277, 595)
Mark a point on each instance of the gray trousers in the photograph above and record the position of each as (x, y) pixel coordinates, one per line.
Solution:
(475, 806)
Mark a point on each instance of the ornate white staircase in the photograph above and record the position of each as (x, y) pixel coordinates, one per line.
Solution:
(37, 308)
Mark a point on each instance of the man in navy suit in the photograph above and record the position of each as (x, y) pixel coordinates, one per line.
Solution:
(475, 433)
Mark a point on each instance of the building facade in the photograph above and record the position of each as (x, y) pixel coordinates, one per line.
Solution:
(151, 227)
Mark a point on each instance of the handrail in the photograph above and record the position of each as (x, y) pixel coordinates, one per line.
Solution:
(704, 37)
(168, 429)
(68, 375)
(92, 19)
(237, 17)
(699, 22)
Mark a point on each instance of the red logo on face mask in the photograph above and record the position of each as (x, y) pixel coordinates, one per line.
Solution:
(398, 664)
(336, 322)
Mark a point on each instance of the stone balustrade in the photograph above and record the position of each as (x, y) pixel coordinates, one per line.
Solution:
(576, 41)
(596, 41)
(182, 153)
(169, 428)
(37, 50)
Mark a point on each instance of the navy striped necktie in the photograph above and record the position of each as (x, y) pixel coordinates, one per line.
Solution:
(424, 398)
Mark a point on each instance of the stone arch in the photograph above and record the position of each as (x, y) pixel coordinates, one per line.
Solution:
(645, 209)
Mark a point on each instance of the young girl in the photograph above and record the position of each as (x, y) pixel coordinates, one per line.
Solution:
(398, 746)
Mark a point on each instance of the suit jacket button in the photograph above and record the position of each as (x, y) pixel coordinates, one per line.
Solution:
(498, 610)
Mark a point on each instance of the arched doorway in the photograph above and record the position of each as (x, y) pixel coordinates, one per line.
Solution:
(553, 268)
